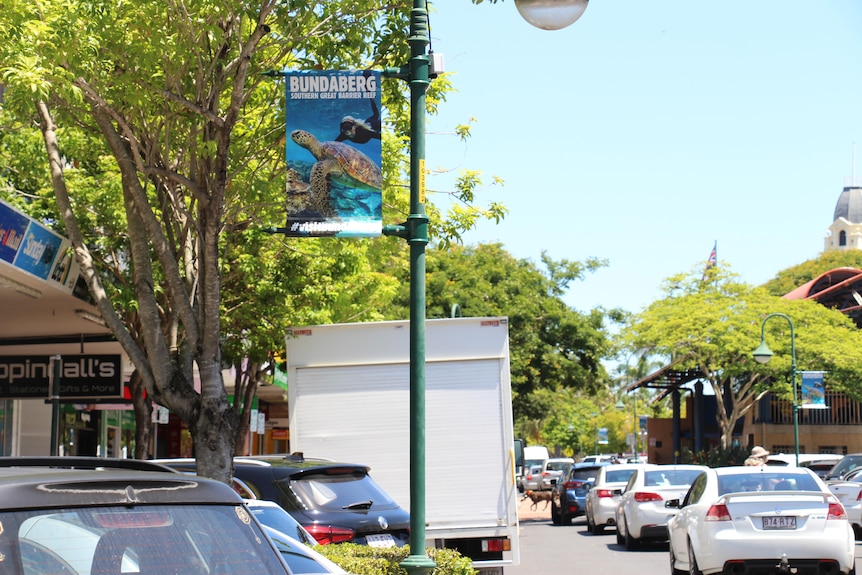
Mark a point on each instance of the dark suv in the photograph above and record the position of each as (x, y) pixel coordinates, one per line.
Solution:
(335, 502)
(69, 515)
(569, 493)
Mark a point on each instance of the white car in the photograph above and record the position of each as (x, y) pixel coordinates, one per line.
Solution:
(748, 518)
(641, 512)
(601, 501)
(301, 558)
(553, 470)
(849, 492)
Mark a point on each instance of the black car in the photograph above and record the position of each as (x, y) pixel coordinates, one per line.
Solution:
(569, 493)
(69, 515)
(335, 502)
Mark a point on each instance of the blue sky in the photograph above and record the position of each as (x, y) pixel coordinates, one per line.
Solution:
(647, 131)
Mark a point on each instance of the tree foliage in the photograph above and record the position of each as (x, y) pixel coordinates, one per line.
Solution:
(552, 346)
(161, 142)
(713, 325)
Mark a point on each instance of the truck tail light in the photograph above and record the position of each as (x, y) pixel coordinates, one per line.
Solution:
(496, 545)
(326, 534)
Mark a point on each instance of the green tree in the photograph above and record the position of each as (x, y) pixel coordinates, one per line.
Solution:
(791, 278)
(552, 346)
(713, 326)
(168, 104)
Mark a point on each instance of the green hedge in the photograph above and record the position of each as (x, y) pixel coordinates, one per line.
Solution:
(365, 560)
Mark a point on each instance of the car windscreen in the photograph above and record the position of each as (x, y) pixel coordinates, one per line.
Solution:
(137, 539)
(585, 474)
(846, 464)
(282, 521)
(671, 477)
(618, 475)
(757, 481)
(335, 490)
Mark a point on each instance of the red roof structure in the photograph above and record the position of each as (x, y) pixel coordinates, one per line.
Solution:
(839, 288)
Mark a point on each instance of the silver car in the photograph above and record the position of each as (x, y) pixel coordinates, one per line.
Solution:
(532, 479)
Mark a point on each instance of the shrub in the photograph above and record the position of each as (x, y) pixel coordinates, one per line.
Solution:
(366, 560)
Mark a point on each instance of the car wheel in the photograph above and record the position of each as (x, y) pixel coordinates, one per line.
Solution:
(565, 518)
(555, 514)
(692, 562)
(673, 569)
(857, 532)
(631, 543)
(590, 525)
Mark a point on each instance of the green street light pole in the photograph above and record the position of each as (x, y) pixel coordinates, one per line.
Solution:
(418, 74)
(415, 231)
(763, 354)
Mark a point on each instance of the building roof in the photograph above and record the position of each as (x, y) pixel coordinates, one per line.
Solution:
(849, 205)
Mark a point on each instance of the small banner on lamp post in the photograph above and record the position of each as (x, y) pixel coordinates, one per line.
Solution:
(333, 152)
(603, 436)
(813, 394)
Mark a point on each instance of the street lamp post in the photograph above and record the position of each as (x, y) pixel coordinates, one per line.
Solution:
(418, 74)
(763, 354)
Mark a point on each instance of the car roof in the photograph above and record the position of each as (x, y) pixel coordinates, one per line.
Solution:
(81, 481)
(747, 469)
(295, 465)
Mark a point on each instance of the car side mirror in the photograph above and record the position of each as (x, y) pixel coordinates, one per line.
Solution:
(672, 504)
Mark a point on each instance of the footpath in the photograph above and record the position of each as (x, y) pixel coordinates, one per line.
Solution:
(525, 513)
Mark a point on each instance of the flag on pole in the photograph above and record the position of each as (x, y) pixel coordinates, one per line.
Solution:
(712, 261)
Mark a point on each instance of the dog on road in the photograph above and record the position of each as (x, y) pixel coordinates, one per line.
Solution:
(536, 496)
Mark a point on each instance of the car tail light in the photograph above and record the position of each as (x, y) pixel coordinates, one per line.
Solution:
(326, 534)
(645, 496)
(496, 545)
(859, 497)
(836, 511)
(717, 512)
(604, 493)
(574, 484)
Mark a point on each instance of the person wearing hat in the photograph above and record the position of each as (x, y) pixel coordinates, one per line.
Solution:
(759, 454)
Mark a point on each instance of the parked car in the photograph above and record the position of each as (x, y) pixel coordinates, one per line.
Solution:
(532, 479)
(849, 492)
(641, 513)
(754, 519)
(301, 558)
(553, 469)
(270, 514)
(568, 494)
(97, 516)
(335, 502)
(845, 465)
(598, 458)
(601, 502)
(805, 459)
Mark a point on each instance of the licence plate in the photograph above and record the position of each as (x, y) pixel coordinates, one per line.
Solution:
(779, 522)
(384, 540)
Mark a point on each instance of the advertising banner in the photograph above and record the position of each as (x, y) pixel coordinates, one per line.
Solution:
(333, 153)
(29, 246)
(813, 394)
(81, 376)
(603, 435)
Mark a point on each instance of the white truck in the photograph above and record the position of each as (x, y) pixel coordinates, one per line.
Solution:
(348, 396)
